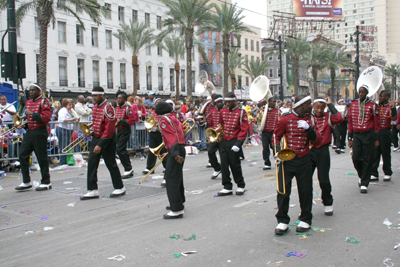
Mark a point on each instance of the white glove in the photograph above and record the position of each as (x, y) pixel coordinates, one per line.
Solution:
(303, 124)
(235, 149)
(278, 159)
(154, 129)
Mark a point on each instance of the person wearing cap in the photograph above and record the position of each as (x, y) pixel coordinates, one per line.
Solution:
(103, 145)
(340, 131)
(38, 114)
(385, 114)
(320, 157)
(125, 119)
(235, 123)
(155, 139)
(361, 136)
(213, 122)
(297, 127)
(150, 101)
(179, 116)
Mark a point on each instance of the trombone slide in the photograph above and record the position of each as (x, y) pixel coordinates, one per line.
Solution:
(152, 169)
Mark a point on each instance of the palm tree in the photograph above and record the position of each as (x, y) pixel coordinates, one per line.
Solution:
(315, 59)
(336, 59)
(184, 16)
(393, 71)
(296, 49)
(45, 10)
(255, 68)
(234, 61)
(228, 21)
(175, 46)
(136, 35)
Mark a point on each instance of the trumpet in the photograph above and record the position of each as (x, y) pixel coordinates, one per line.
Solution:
(285, 154)
(187, 127)
(214, 135)
(86, 129)
(17, 122)
(150, 122)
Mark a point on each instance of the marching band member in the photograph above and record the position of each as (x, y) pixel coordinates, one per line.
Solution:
(38, 114)
(235, 123)
(155, 139)
(103, 145)
(273, 116)
(320, 157)
(395, 132)
(174, 140)
(213, 122)
(385, 113)
(362, 136)
(340, 131)
(125, 119)
(296, 125)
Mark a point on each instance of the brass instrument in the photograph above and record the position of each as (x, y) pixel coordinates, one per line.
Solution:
(284, 154)
(259, 90)
(150, 122)
(86, 129)
(156, 151)
(259, 117)
(187, 127)
(214, 135)
(17, 122)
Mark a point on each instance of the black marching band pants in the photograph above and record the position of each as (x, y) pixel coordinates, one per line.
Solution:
(363, 153)
(301, 168)
(36, 141)
(213, 147)
(108, 153)
(384, 138)
(321, 159)
(155, 139)
(340, 132)
(123, 137)
(174, 180)
(395, 137)
(230, 159)
(266, 139)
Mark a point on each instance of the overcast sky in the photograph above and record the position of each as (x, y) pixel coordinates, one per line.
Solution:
(254, 19)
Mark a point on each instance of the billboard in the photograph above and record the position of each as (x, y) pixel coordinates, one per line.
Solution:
(318, 9)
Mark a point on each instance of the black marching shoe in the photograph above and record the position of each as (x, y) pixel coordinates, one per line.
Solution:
(303, 227)
(363, 189)
(174, 215)
(43, 187)
(281, 228)
(24, 186)
(127, 174)
(224, 192)
(91, 194)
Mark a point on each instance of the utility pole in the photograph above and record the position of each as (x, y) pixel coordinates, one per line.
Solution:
(280, 64)
(12, 38)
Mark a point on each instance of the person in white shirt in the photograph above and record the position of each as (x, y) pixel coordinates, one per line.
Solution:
(82, 110)
(65, 128)
(7, 114)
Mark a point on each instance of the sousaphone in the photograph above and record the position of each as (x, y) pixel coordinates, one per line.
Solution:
(372, 77)
(203, 84)
(259, 90)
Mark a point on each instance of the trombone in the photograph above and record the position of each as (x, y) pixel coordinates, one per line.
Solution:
(86, 129)
(214, 135)
(17, 122)
(284, 154)
(187, 127)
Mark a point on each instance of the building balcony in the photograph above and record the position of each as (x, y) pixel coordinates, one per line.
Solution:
(63, 82)
(110, 84)
(149, 87)
(123, 85)
(183, 88)
(160, 87)
(96, 83)
(81, 83)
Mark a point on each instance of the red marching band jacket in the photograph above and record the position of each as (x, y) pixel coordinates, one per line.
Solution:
(272, 119)
(41, 112)
(235, 124)
(213, 118)
(323, 126)
(359, 122)
(103, 124)
(172, 133)
(297, 138)
(125, 116)
(384, 115)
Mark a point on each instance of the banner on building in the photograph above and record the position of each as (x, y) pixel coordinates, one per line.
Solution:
(318, 9)
(242, 94)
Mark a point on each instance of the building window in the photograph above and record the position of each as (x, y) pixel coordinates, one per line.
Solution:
(96, 81)
(252, 45)
(210, 55)
(159, 50)
(121, 44)
(148, 49)
(252, 58)
(160, 79)
(219, 57)
(134, 15)
(110, 84)
(219, 79)
(37, 29)
(246, 59)
(271, 73)
(201, 36)
(122, 75)
(246, 44)
(247, 80)
(62, 66)
(81, 73)
(147, 19)
(62, 34)
(217, 37)
(148, 78)
(107, 10)
(159, 23)
(95, 37)
(108, 39)
(209, 36)
(138, 80)
(239, 84)
(79, 34)
(171, 80)
(258, 46)
(193, 58)
(121, 13)
(182, 81)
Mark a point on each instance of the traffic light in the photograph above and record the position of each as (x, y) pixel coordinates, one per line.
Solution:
(7, 66)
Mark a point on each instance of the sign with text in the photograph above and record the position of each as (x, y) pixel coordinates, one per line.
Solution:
(318, 9)
(242, 94)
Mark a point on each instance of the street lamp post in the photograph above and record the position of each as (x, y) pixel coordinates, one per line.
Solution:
(280, 63)
(394, 89)
(357, 34)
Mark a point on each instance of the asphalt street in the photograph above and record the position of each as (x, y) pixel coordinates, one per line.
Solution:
(229, 231)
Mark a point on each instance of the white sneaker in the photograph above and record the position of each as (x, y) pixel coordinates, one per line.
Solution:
(174, 215)
(128, 172)
(215, 174)
(224, 192)
(334, 147)
(342, 150)
(240, 191)
(118, 192)
(209, 165)
(145, 171)
(43, 187)
(24, 186)
(303, 227)
(328, 210)
(363, 189)
(267, 167)
(164, 183)
(374, 178)
(387, 178)
(91, 194)
(281, 228)
(396, 149)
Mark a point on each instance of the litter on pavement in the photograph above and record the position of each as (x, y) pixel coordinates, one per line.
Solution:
(388, 262)
(118, 257)
(48, 228)
(352, 240)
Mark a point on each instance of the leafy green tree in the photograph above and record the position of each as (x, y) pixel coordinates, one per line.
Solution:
(255, 68)
(393, 70)
(315, 59)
